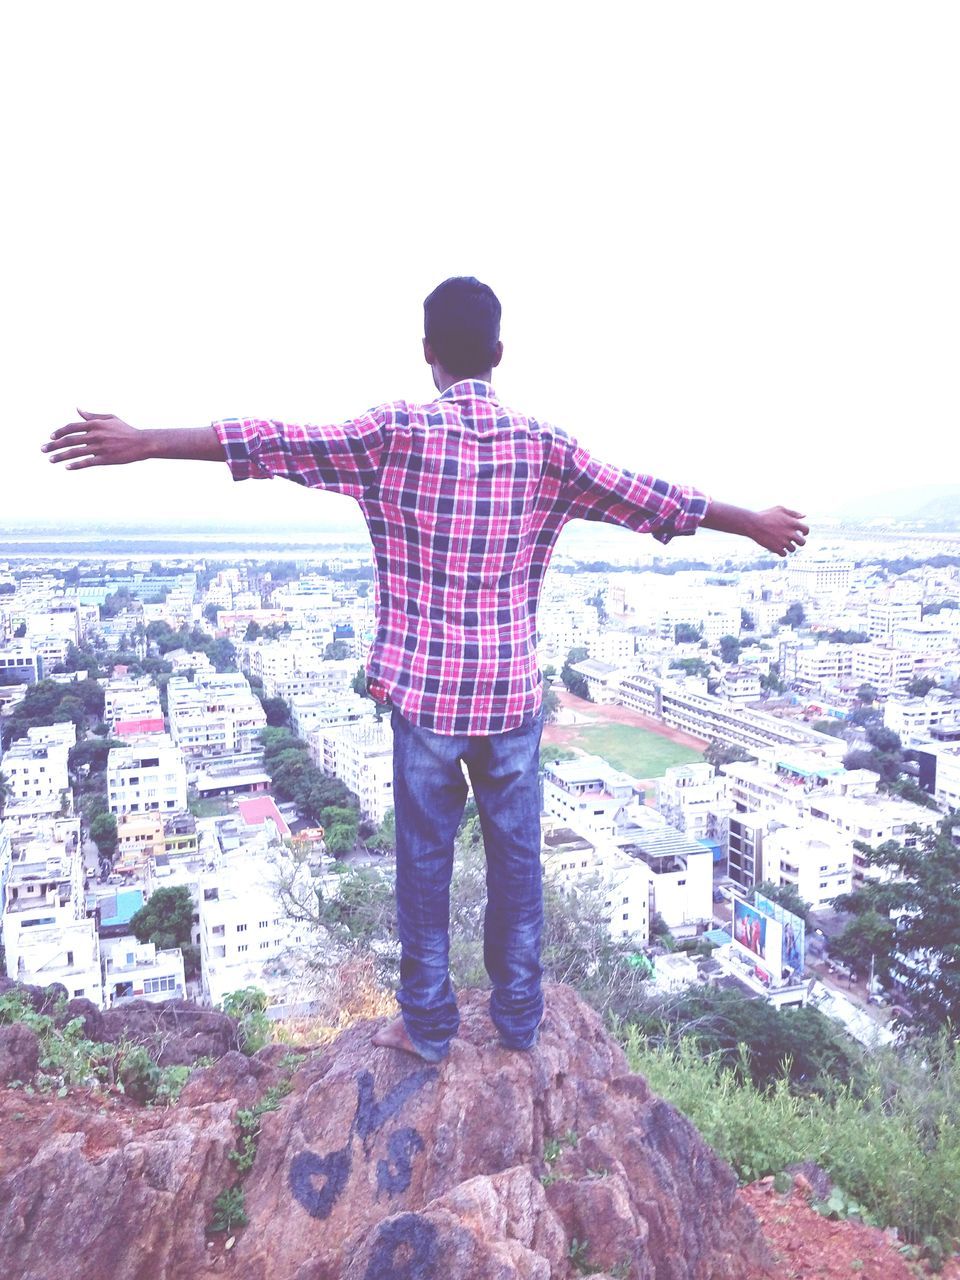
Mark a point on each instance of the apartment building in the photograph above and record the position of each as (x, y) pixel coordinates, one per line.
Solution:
(813, 666)
(139, 838)
(817, 862)
(215, 714)
(812, 578)
(587, 794)
(148, 775)
(246, 939)
(886, 668)
(136, 970)
(871, 818)
(47, 935)
(915, 719)
(603, 679)
(599, 867)
(680, 870)
(361, 756)
(891, 610)
(739, 685)
(36, 771)
(745, 832)
(693, 799)
(328, 710)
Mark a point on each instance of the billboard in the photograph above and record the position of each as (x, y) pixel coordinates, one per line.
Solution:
(759, 935)
(793, 955)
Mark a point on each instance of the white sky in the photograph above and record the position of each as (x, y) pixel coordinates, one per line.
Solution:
(725, 236)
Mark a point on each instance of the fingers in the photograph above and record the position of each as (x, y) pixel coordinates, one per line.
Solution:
(79, 451)
(72, 428)
(90, 417)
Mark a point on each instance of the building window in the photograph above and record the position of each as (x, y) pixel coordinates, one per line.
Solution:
(69, 957)
(241, 928)
(243, 947)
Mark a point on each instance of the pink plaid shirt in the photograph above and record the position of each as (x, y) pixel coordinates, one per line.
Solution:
(464, 500)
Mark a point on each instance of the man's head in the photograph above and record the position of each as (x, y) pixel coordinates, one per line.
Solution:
(461, 325)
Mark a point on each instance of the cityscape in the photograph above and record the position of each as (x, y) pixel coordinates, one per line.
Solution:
(727, 739)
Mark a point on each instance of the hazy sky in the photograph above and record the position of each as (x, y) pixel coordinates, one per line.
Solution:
(725, 236)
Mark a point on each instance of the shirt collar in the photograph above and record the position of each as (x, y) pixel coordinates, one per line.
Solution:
(469, 389)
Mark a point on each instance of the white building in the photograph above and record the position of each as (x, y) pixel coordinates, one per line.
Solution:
(47, 935)
(680, 870)
(587, 794)
(818, 863)
(217, 714)
(892, 610)
(693, 799)
(813, 578)
(246, 939)
(328, 710)
(886, 668)
(147, 775)
(36, 770)
(361, 756)
(914, 719)
(136, 970)
(574, 862)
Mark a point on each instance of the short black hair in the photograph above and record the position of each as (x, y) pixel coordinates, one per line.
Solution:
(461, 321)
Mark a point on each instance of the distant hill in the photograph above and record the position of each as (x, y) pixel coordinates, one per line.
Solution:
(924, 502)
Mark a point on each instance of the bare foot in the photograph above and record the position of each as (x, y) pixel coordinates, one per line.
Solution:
(394, 1036)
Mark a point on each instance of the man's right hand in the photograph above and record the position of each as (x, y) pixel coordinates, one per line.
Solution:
(100, 440)
(779, 529)
(104, 440)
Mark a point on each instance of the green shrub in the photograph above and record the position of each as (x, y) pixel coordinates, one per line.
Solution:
(892, 1148)
(248, 1008)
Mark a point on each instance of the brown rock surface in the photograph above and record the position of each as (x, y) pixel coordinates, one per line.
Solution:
(491, 1166)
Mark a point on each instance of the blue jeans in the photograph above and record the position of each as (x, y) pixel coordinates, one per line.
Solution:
(429, 794)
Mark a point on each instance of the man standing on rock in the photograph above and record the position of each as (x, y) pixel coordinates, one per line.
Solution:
(464, 499)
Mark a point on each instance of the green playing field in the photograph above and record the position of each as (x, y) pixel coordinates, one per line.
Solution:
(639, 752)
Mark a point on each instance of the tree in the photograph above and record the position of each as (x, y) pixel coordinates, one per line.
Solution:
(920, 686)
(336, 651)
(359, 684)
(551, 705)
(384, 838)
(573, 680)
(794, 615)
(923, 900)
(103, 833)
(751, 1037)
(729, 648)
(784, 894)
(867, 693)
(746, 621)
(687, 633)
(867, 943)
(831, 726)
(277, 711)
(691, 666)
(253, 630)
(883, 739)
(166, 919)
(210, 613)
(718, 753)
(6, 793)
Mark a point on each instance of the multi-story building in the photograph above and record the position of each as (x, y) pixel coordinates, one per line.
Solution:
(693, 798)
(812, 578)
(132, 706)
(139, 971)
(892, 610)
(327, 710)
(914, 719)
(680, 869)
(47, 935)
(587, 794)
(36, 771)
(739, 684)
(148, 775)
(886, 668)
(745, 832)
(20, 663)
(940, 771)
(818, 863)
(216, 714)
(573, 861)
(246, 938)
(139, 838)
(361, 756)
(813, 666)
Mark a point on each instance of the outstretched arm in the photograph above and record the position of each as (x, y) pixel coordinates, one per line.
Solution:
(778, 529)
(102, 440)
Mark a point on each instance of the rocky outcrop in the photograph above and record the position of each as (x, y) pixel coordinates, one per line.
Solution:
(19, 1053)
(492, 1165)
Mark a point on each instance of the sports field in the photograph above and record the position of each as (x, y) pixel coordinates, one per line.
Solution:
(640, 752)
